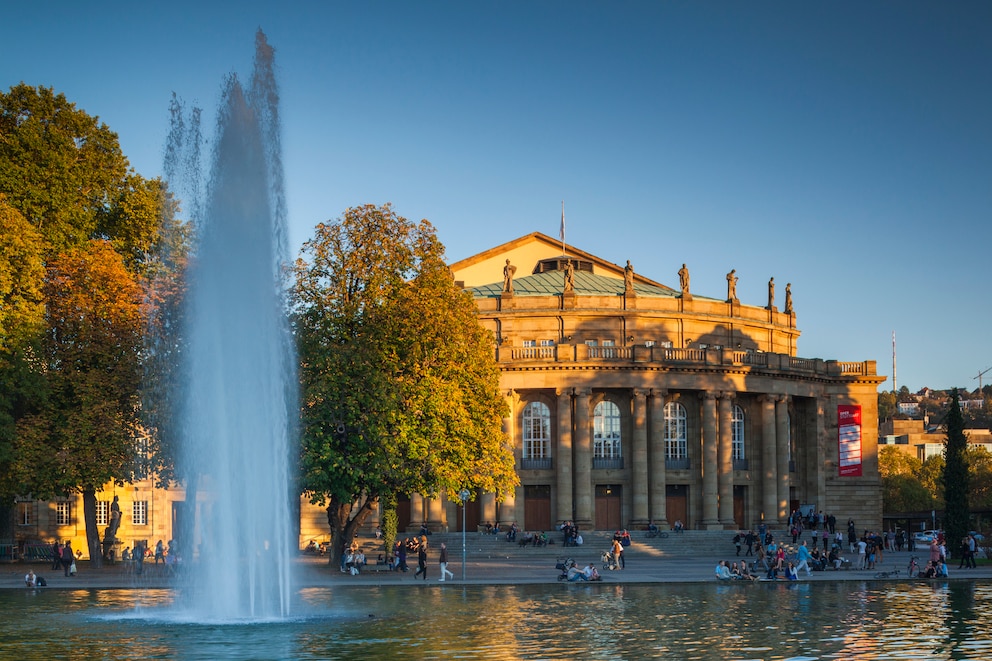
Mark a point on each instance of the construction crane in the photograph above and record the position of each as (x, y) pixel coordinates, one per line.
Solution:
(979, 377)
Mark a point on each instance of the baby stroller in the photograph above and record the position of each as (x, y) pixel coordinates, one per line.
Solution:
(609, 562)
(562, 565)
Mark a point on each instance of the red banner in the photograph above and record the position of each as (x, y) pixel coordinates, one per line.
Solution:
(849, 440)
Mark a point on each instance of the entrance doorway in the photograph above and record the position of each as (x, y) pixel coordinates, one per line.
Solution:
(677, 504)
(608, 507)
(740, 501)
(537, 507)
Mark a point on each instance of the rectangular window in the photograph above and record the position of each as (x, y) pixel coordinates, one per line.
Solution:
(63, 513)
(547, 343)
(649, 343)
(609, 343)
(139, 512)
(592, 343)
(102, 508)
(24, 511)
(529, 343)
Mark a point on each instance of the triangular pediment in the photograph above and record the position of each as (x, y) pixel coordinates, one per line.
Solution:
(526, 253)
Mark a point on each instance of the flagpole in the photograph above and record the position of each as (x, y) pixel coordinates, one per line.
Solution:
(563, 228)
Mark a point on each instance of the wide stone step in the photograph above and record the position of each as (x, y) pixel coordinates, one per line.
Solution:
(685, 544)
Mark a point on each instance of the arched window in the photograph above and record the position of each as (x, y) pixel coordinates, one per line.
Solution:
(676, 443)
(537, 431)
(737, 434)
(606, 431)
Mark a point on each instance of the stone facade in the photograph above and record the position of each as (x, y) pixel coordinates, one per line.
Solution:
(633, 402)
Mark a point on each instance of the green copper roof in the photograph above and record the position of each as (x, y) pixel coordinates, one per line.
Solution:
(552, 283)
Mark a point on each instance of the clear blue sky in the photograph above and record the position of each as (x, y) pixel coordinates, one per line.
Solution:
(844, 147)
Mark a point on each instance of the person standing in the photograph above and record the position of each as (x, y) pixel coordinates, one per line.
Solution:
(443, 560)
(56, 555)
(421, 560)
(67, 557)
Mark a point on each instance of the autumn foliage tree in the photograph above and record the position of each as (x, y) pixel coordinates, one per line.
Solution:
(400, 386)
(93, 223)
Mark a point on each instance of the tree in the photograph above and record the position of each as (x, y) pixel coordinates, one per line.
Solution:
(979, 478)
(22, 275)
(932, 478)
(956, 512)
(886, 405)
(892, 461)
(400, 386)
(58, 165)
(82, 434)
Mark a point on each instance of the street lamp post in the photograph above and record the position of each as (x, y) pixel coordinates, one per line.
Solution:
(464, 494)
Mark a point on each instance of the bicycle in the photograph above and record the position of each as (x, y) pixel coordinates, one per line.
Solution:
(887, 574)
(651, 534)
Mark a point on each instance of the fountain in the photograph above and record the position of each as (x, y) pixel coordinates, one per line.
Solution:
(238, 400)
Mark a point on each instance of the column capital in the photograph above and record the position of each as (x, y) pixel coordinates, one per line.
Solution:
(640, 393)
(660, 393)
(564, 392)
(782, 398)
(583, 392)
(707, 395)
(729, 395)
(765, 398)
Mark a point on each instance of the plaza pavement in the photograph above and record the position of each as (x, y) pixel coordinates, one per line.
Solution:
(509, 570)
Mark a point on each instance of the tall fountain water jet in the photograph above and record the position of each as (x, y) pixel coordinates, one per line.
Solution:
(238, 396)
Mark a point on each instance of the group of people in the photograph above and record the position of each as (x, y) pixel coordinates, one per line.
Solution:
(419, 545)
(63, 557)
(587, 573)
(725, 572)
(570, 534)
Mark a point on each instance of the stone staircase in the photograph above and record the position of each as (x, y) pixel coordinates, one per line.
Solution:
(686, 544)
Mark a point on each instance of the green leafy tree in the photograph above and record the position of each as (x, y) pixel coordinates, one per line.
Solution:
(82, 435)
(956, 512)
(886, 405)
(22, 274)
(400, 386)
(905, 493)
(979, 479)
(932, 478)
(61, 167)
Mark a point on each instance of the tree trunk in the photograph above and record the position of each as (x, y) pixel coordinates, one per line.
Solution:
(92, 534)
(344, 526)
(7, 510)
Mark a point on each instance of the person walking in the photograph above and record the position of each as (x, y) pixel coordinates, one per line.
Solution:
(421, 559)
(804, 558)
(443, 560)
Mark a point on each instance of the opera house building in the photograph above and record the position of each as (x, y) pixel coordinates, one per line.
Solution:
(631, 401)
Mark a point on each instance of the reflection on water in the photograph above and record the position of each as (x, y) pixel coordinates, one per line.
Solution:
(804, 621)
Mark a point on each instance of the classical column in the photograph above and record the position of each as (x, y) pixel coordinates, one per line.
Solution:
(507, 509)
(709, 467)
(639, 460)
(725, 463)
(769, 467)
(417, 514)
(435, 515)
(659, 507)
(782, 437)
(563, 458)
(487, 507)
(583, 461)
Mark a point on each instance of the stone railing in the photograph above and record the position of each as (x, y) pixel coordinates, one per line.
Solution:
(640, 354)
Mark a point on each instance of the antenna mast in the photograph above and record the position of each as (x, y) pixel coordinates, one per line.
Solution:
(895, 387)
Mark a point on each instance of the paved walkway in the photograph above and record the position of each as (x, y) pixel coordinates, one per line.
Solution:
(315, 572)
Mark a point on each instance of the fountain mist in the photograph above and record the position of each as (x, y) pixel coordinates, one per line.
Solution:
(238, 397)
